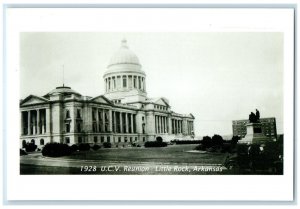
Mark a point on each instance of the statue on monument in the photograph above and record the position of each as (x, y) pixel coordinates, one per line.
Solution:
(254, 118)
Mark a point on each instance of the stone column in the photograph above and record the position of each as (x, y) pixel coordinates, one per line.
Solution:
(159, 124)
(166, 125)
(29, 123)
(163, 124)
(169, 125)
(156, 124)
(132, 86)
(131, 115)
(121, 122)
(38, 121)
(48, 120)
(103, 120)
(110, 120)
(115, 122)
(126, 122)
(22, 123)
(97, 120)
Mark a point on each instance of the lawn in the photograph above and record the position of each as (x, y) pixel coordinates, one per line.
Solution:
(170, 160)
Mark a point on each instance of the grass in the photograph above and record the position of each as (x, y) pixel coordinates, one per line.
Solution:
(172, 156)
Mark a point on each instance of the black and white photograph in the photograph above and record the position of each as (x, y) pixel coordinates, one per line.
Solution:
(151, 103)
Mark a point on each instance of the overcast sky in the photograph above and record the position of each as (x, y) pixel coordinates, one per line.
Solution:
(218, 77)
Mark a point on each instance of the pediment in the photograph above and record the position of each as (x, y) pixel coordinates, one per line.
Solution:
(32, 99)
(162, 102)
(101, 99)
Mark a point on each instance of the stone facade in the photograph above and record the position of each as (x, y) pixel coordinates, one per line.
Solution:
(123, 115)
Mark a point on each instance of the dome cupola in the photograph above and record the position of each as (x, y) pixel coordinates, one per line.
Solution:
(124, 77)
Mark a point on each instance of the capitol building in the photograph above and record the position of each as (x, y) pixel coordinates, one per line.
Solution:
(123, 115)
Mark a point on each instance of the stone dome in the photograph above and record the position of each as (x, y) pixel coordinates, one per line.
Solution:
(124, 56)
(62, 90)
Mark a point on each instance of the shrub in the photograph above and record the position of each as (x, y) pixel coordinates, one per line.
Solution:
(56, 150)
(74, 148)
(30, 147)
(216, 140)
(176, 141)
(96, 147)
(155, 144)
(107, 145)
(206, 141)
(159, 139)
(23, 152)
(84, 147)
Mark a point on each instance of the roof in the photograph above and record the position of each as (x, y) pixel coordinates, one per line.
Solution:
(62, 90)
(124, 56)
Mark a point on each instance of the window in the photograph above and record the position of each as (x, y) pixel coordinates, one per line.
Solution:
(79, 139)
(144, 139)
(67, 140)
(23, 144)
(78, 127)
(136, 139)
(78, 113)
(108, 139)
(68, 127)
(125, 139)
(119, 139)
(130, 139)
(67, 114)
(32, 141)
(42, 142)
(102, 139)
(95, 139)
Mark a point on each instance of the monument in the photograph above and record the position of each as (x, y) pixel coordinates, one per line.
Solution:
(254, 130)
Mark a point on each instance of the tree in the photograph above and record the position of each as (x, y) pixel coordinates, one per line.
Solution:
(206, 141)
(217, 140)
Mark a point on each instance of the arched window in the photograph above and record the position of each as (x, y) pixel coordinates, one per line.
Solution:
(32, 141)
(42, 142)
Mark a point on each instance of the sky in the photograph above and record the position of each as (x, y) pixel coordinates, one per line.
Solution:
(216, 76)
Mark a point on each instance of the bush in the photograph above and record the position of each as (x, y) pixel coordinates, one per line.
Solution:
(155, 144)
(96, 147)
(74, 148)
(216, 141)
(23, 152)
(107, 145)
(176, 141)
(84, 147)
(206, 141)
(56, 150)
(30, 147)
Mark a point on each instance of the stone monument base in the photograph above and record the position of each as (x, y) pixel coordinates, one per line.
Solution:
(254, 134)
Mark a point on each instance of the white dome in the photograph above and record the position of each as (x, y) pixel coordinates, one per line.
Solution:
(124, 56)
